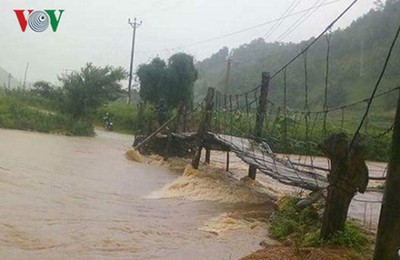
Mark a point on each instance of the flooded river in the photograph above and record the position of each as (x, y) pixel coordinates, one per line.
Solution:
(80, 198)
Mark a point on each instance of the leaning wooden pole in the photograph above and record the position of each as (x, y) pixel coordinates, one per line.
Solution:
(387, 244)
(203, 127)
(173, 130)
(152, 135)
(260, 117)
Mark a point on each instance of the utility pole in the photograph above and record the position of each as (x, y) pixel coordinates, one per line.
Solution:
(26, 72)
(228, 72)
(9, 80)
(134, 25)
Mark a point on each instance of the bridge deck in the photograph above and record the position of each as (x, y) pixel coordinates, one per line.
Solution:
(260, 155)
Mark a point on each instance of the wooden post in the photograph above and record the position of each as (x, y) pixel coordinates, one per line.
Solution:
(261, 110)
(184, 118)
(173, 129)
(227, 161)
(141, 120)
(348, 174)
(166, 152)
(152, 135)
(203, 127)
(208, 155)
(178, 121)
(388, 239)
(252, 171)
(262, 104)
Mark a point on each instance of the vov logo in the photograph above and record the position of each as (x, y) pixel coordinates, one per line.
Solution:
(38, 20)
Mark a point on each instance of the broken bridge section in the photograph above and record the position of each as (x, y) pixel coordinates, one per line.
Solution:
(260, 156)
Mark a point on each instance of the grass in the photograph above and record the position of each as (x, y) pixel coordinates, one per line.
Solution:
(302, 228)
(17, 113)
(127, 118)
(124, 117)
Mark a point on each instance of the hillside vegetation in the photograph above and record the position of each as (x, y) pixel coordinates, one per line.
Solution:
(356, 57)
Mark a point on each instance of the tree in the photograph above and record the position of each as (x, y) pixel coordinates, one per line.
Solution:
(52, 95)
(153, 80)
(173, 82)
(181, 77)
(379, 5)
(87, 90)
(43, 89)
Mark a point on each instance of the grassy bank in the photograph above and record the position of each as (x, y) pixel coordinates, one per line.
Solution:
(19, 110)
(128, 118)
(301, 229)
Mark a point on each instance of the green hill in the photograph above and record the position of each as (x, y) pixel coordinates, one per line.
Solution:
(356, 59)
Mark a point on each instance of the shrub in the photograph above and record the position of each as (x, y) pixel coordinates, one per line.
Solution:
(16, 114)
(291, 223)
(303, 228)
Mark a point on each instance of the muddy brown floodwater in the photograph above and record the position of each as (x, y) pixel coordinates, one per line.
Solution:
(79, 198)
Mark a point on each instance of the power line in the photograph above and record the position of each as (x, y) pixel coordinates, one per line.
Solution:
(289, 10)
(249, 28)
(315, 40)
(302, 19)
(258, 25)
(365, 100)
(377, 85)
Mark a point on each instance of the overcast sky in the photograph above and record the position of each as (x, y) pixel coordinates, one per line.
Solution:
(97, 30)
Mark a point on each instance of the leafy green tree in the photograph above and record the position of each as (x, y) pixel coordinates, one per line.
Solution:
(173, 82)
(153, 80)
(50, 97)
(47, 91)
(43, 88)
(181, 77)
(87, 90)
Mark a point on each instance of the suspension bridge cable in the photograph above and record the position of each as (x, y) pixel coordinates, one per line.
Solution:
(316, 39)
(245, 29)
(345, 106)
(376, 85)
(258, 25)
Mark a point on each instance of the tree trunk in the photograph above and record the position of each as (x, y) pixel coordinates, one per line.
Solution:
(348, 175)
(336, 208)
